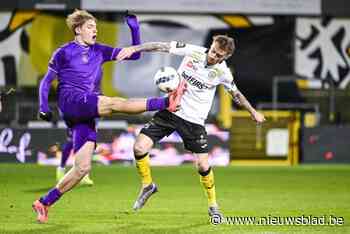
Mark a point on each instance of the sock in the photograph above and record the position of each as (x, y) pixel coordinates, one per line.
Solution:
(67, 148)
(207, 180)
(143, 167)
(158, 103)
(51, 197)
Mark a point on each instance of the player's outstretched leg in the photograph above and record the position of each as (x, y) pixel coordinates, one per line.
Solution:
(109, 105)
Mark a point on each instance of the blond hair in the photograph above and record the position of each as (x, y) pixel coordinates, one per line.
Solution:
(78, 18)
(225, 43)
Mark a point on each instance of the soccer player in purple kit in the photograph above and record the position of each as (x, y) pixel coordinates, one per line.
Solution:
(77, 65)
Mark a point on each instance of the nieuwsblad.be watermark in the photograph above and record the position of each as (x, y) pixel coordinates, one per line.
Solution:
(323, 220)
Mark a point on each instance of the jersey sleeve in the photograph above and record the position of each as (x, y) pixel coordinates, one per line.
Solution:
(108, 53)
(228, 81)
(182, 49)
(44, 89)
(57, 60)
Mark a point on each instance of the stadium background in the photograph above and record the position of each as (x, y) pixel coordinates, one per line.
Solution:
(292, 62)
(305, 58)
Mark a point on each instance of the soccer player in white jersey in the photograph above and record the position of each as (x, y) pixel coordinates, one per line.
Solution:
(203, 69)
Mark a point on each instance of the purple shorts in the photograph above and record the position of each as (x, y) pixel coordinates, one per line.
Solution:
(82, 133)
(78, 107)
(79, 111)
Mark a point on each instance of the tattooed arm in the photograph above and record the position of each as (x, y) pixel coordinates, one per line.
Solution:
(241, 100)
(153, 46)
(147, 47)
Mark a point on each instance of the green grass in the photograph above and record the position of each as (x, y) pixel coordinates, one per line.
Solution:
(180, 206)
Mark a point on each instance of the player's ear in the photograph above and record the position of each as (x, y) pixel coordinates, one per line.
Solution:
(227, 56)
(77, 30)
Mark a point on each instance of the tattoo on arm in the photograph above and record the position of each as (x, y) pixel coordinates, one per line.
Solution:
(153, 46)
(241, 100)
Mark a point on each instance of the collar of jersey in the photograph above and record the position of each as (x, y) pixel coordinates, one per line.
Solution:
(80, 45)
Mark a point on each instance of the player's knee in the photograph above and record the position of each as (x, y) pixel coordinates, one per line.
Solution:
(104, 106)
(203, 165)
(83, 169)
(140, 149)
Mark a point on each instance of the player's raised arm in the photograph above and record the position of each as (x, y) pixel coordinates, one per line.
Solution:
(134, 26)
(174, 47)
(145, 47)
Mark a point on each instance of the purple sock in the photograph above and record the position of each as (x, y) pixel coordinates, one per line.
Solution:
(157, 103)
(67, 148)
(51, 197)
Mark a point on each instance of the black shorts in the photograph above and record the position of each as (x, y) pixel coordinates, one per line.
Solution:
(164, 123)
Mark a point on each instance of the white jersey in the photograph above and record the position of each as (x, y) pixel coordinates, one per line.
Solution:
(201, 81)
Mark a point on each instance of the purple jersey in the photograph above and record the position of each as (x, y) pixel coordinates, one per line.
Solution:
(79, 73)
(79, 68)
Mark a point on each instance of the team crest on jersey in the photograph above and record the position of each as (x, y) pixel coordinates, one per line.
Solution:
(212, 74)
(85, 58)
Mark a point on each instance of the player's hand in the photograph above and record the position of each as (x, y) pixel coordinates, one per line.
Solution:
(131, 20)
(47, 116)
(126, 53)
(258, 117)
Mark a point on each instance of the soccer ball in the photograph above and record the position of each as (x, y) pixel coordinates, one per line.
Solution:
(167, 79)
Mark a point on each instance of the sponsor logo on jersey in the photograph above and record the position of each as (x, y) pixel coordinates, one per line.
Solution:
(180, 44)
(193, 81)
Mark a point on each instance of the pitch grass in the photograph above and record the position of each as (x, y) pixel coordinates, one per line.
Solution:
(180, 206)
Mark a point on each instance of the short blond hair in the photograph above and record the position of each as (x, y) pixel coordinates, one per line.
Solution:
(78, 18)
(225, 43)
